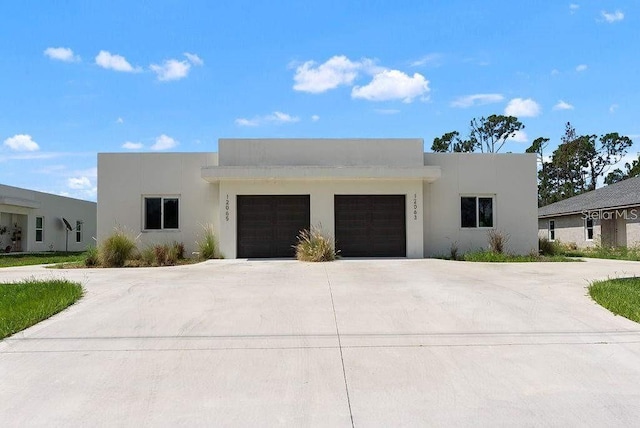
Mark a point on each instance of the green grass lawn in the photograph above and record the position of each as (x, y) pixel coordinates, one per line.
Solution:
(620, 295)
(621, 253)
(488, 256)
(26, 303)
(8, 260)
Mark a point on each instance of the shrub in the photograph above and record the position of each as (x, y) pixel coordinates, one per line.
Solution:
(497, 240)
(148, 256)
(91, 257)
(453, 251)
(314, 246)
(548, 248)
(161, 253)
(116, 249)
(207, 245)
(177, 250)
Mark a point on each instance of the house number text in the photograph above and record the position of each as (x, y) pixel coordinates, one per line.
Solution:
(415, 206)
(226, 209)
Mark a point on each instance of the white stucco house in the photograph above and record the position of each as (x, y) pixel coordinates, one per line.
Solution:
(608, 216)
(376, 197)
(32, 221)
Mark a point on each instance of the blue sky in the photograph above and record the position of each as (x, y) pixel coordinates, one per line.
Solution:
(82, 77)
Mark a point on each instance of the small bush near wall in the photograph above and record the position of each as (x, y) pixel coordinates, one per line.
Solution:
(314, 246)
(165, 254)
(147, 256)
(116, 249)
(91, 258)
(207, 244)
(497, 241)
(548, 248)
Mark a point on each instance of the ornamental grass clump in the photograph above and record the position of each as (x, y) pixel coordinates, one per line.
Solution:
(91, 257)
(497, 241)
(116, 249)
(207, 245)
(161, 254)
(314, 246)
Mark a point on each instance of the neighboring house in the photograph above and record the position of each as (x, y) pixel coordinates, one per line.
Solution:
(608, 216)
(376, 197)
(33, 221)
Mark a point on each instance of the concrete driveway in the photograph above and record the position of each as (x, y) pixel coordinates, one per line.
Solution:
(350, 343)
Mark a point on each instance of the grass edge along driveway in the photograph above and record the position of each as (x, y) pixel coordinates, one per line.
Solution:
(25, 303)
(619, 295)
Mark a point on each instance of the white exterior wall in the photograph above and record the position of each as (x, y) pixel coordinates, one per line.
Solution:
(509, 178)
(404, 152)
(389, 166)
(52, 208)
(322, 204)
(124, 179)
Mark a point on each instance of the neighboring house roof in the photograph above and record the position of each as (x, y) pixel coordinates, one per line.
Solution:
(625, 193)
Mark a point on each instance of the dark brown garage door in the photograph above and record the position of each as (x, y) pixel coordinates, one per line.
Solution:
(370, 225)
(268, 226)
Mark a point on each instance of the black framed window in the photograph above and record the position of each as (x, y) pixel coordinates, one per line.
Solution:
(468, 211)
(476, 211)
(78, 231)
(552, 230)
(39, 229)
(170, 213)
(588, 228)
(161, 213)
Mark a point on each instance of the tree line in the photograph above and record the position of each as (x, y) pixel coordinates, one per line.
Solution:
(574, 167)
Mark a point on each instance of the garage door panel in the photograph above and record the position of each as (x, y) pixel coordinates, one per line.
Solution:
(268, 225)
(370, 225)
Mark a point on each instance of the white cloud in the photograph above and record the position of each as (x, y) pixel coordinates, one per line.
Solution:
(276, 117)
(387, 111)
(79, 183)
(581, 68)
(280, 117)
(119, 120)
(519, 107)
(555, 72)
(115, 62)
(241, 121)
(171, 69)
(164, 142)
(129, 145)
(613, 108)
(520, 137)
(476, 99)
(433, 59)
(61, 54)
(336, 71)
(315, 118)
(22, 143)
(573, 7)
(612, 17)
(392, 85)
(194, 59)
(562, 105)
(82, 186)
